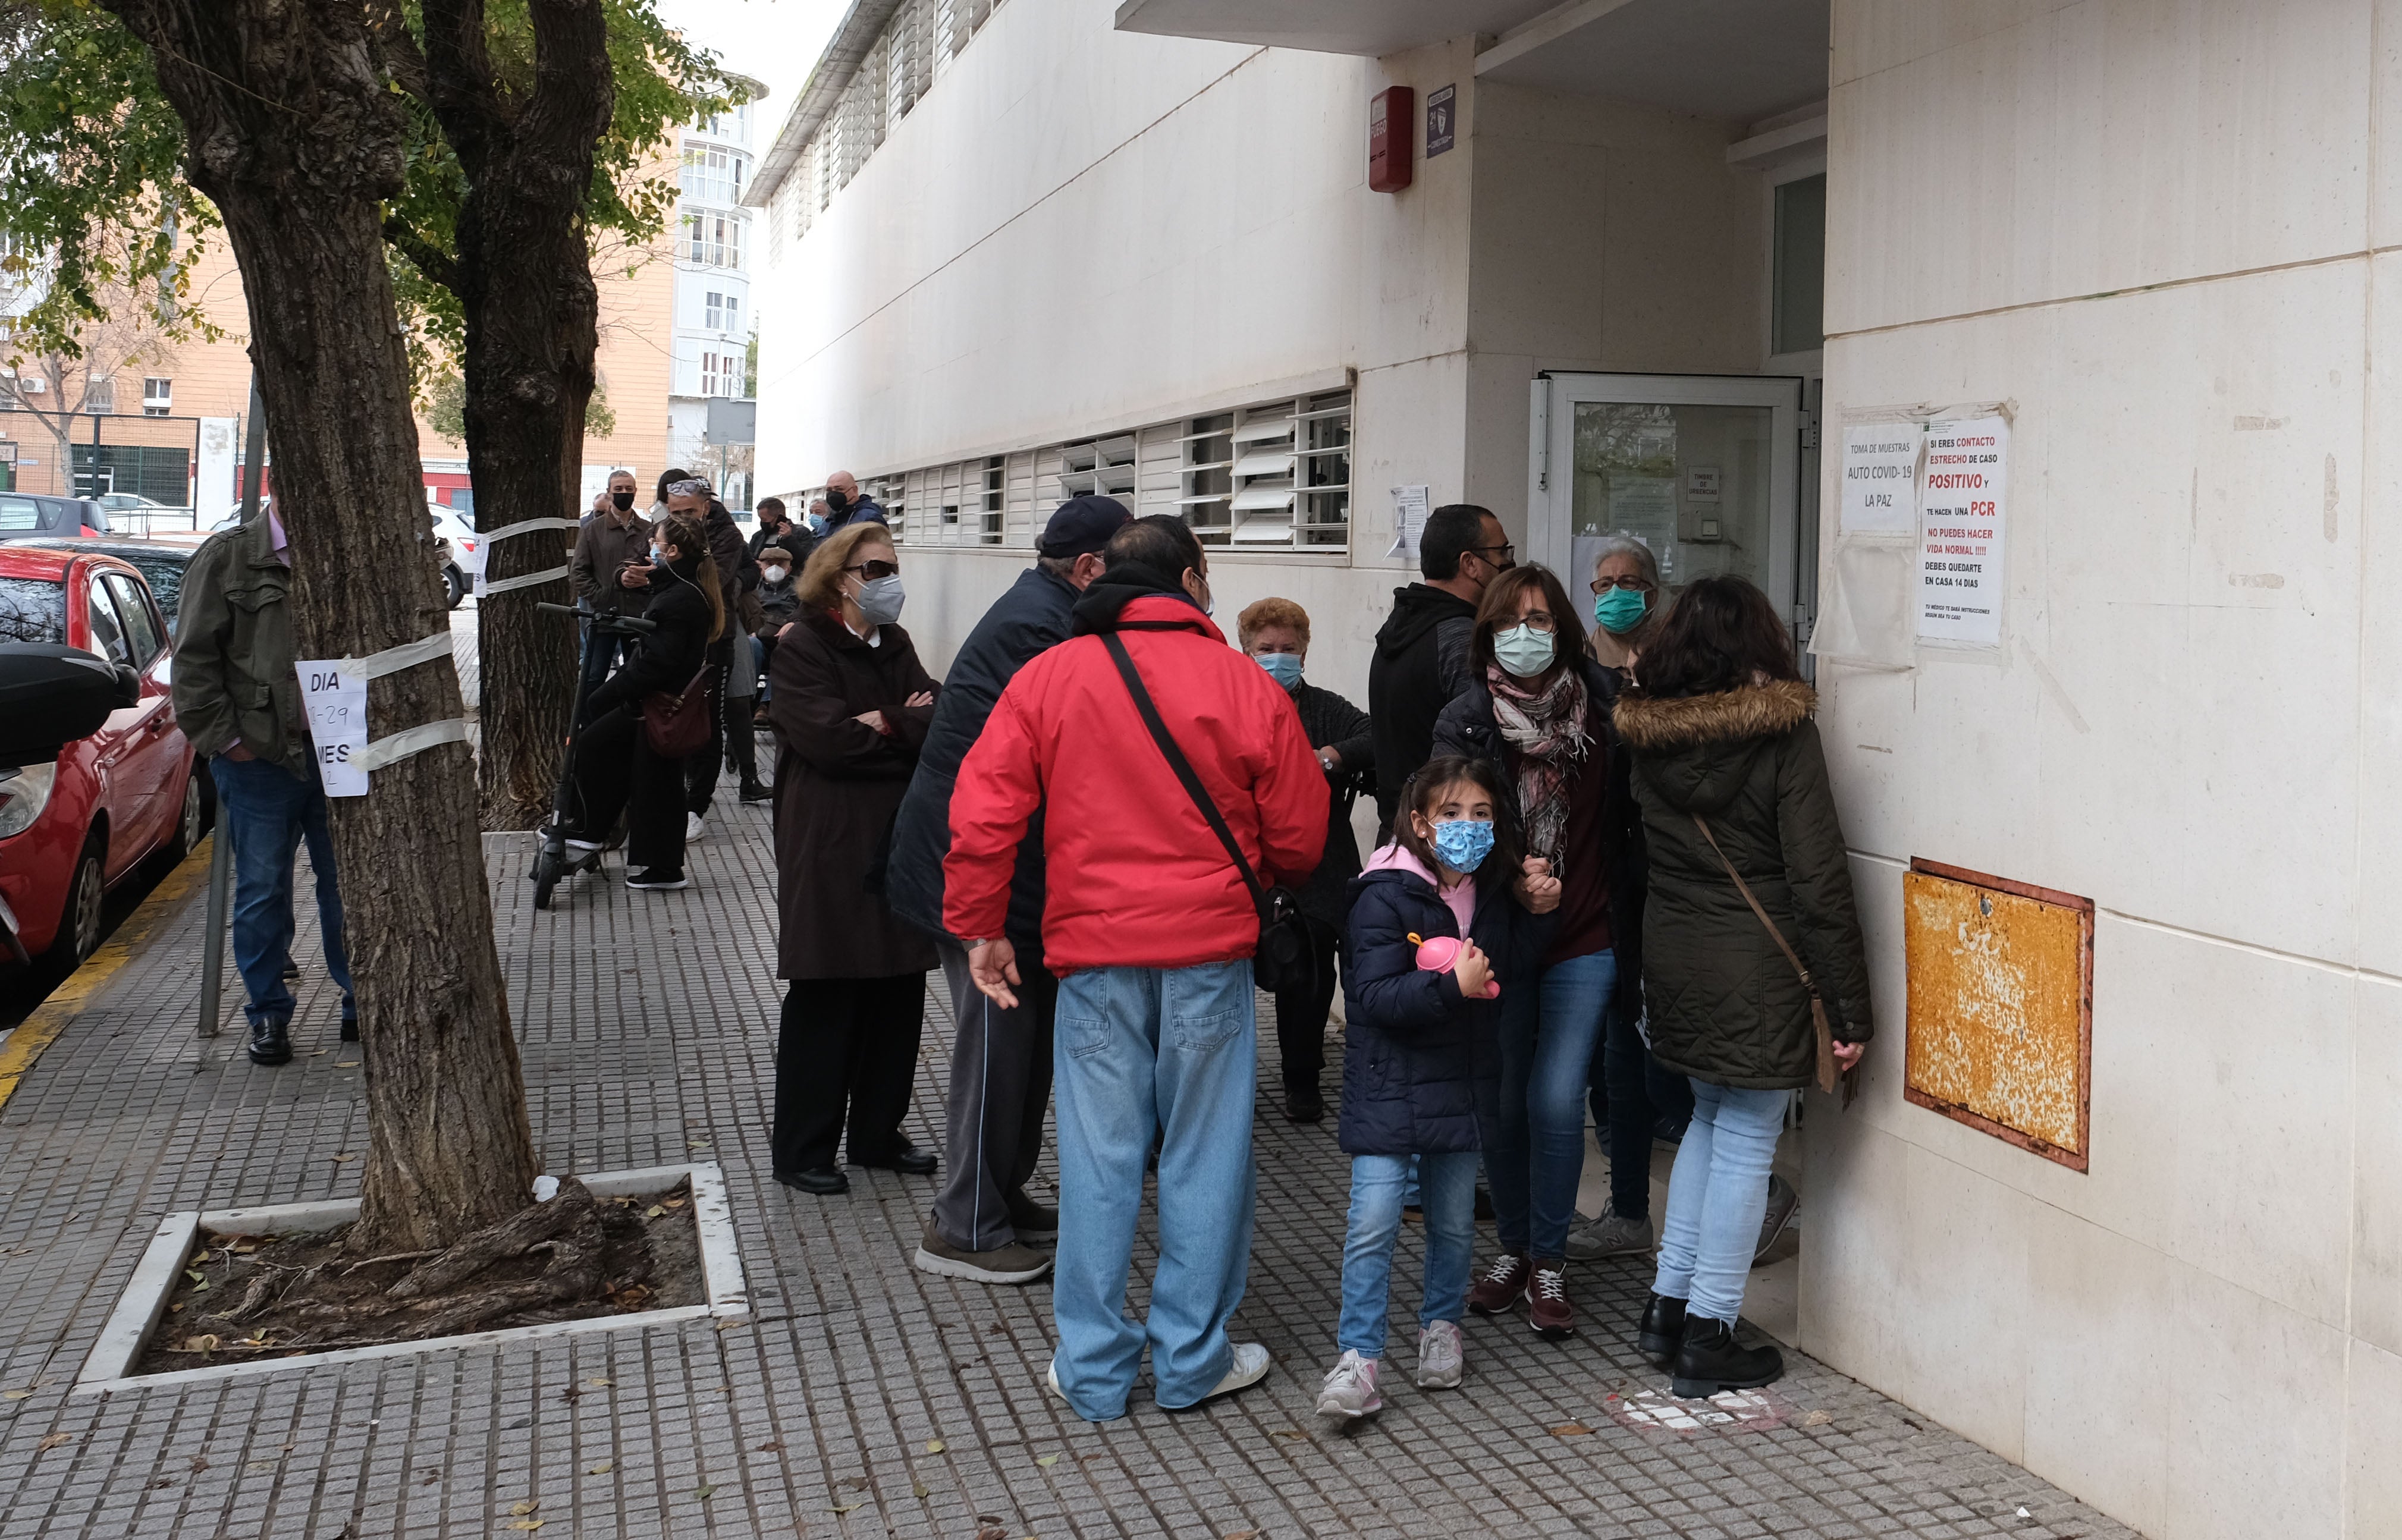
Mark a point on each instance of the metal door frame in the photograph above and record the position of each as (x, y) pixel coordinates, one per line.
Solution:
(1550, 501)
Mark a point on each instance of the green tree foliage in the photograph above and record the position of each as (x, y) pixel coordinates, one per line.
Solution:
(445, 408)
(95, 202)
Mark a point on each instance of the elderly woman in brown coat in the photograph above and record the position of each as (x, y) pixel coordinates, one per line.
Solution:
(850, 705)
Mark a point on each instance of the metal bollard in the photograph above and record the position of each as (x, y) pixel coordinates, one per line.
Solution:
(213, 959)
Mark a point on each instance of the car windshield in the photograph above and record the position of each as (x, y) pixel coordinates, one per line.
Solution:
(164, 574)
(32, 610)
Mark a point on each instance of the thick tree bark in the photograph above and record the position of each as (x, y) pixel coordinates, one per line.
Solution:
(524, 278)
(295, 138)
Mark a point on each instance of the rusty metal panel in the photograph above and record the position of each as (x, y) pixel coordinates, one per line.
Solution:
(2001, 1007)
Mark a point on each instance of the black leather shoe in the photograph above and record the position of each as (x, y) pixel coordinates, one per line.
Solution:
(1304, 1107)
(1663, 1331)
(754, 792)
(906, 1159)
(351, 1030)
(271, 1042)
(1710, 1360)
(824, 1180)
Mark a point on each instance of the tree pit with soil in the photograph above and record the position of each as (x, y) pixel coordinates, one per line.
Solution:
(242, 1298)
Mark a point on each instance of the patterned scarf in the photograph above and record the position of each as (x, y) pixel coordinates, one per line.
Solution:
(1547, 728)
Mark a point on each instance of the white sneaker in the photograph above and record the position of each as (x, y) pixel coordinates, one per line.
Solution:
(1611, 1235)
(1442, 1354)
(1251, 1367)
(695, 827)
(1350, 1387)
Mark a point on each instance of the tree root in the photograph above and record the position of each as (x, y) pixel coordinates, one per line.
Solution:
(512, 1237)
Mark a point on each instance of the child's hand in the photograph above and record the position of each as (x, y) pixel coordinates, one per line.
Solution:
(1542, 889)
(1474, 971)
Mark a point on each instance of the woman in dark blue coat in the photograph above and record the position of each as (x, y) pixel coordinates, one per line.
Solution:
(1422, 1063)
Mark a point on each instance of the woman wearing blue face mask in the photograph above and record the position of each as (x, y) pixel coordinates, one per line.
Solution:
(1537, 708)
(1276, 632)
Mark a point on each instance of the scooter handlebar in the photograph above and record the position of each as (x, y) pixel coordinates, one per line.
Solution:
(633, 623)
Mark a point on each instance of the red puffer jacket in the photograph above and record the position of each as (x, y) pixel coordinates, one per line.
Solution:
(1136, 877)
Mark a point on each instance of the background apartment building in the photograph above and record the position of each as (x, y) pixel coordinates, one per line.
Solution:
(714, 319)
(1675, 269)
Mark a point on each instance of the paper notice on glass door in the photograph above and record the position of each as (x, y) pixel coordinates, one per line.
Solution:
(1880, 477)
(1962, 500)
(1409, 520)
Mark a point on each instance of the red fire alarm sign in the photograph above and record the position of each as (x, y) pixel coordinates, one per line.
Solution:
(1392, 140)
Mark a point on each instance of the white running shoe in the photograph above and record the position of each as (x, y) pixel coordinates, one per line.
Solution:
(695, 827)
(1350, 1387)
(1442, 1354)
(1251, 1367)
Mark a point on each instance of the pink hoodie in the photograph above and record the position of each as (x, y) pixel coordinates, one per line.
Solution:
(1460, 898)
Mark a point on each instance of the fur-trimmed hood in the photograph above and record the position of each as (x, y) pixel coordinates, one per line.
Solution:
(1695, 751)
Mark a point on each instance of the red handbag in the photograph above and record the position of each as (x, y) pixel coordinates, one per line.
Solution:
(677, 725)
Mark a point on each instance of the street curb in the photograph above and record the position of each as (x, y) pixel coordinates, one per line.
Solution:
(66, 1002)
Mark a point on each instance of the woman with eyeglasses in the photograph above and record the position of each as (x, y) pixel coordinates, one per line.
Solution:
(1538, 706)
(1626, 599)
(849, 707)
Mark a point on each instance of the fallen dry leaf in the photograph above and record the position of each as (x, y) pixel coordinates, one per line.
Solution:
(1816, 1418)
(846, 1507)
(990, 1531)
(773, 1446)
(53, 1441)
(208, 1343)
(653, 1212)
(1288, 1433)
(346, 1063)
(596, 1381)
(601, 1469)
(344, 1159)
(1570, 1430)
(528, 1525)
(933, 1446)
(522, 1509)
(14, 1394)
(1046, 1461)
(922, 1490)
(1242, 1534)
(673, 1203)
(703, 1492)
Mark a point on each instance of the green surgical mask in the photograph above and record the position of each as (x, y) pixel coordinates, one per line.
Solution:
(1522, 650)
(1620, 610)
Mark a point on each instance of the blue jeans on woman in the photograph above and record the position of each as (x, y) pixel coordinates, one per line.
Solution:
(1716, 1197)
(1536, 1151)
(1447, 1184)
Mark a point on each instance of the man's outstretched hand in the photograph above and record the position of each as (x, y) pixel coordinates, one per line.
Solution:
(993, 965)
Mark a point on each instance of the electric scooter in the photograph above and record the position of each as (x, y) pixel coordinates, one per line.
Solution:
(551, 859)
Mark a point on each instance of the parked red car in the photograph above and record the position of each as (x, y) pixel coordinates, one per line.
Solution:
(70, 830)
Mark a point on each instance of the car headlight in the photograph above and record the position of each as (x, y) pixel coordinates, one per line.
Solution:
(23, 793)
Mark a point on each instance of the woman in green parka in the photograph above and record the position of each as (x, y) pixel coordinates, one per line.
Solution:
(1727, 770)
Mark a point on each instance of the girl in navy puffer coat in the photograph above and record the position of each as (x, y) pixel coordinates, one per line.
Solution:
(1422, 1062)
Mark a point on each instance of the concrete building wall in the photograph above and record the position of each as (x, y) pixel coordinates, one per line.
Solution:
(2163, 234)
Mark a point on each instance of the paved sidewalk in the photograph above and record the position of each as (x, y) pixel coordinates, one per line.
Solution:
(864, 1398)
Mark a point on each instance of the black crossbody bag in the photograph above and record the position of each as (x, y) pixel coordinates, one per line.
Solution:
(1285, 958)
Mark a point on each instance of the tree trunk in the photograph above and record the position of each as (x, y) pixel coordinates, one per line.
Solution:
(295, 138)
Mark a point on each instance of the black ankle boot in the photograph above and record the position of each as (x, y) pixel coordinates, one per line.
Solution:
(1710, 1360)
(1663, 1331)
(271, 1042)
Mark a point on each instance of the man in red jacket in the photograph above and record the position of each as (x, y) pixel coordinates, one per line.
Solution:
(1150, 930)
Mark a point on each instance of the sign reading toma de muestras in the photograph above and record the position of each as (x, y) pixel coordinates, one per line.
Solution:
(1963, 498)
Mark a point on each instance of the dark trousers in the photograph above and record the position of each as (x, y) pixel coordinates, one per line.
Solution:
(616, 772)
(1633, 1099)
(741, 740)
(603, 652)
(846, 1047)
(1000, 1085)
(700, 771)
(1301, 1014)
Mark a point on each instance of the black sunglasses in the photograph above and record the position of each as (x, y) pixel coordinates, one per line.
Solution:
(875, 571)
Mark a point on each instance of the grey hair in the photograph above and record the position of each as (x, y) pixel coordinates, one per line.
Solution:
(688, 489)
(1646, 563)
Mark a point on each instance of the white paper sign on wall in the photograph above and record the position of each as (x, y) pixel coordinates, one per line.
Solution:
(1962, 502)
(1881, 479)
(337, 704)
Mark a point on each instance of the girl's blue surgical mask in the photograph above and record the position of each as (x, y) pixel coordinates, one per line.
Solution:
(1283, 668)
(1522, 650)
(1462, 844)
(1620, 610)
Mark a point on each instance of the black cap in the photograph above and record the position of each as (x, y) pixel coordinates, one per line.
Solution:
(1084, 524)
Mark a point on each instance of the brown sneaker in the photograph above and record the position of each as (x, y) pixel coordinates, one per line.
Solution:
(1503, 1285)
(1548, 1310)
(1010, 1264)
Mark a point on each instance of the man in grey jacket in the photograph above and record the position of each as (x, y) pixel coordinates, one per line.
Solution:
(238, 699)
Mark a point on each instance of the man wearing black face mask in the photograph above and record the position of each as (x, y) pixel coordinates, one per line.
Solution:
(846, 504)
(604, 548)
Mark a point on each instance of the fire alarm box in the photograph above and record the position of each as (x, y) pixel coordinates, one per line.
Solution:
(1392, 143)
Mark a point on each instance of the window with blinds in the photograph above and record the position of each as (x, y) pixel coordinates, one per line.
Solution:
(916, 47)
(1271, 476)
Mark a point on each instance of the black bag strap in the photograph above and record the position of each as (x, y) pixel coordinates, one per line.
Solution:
(1182, 766)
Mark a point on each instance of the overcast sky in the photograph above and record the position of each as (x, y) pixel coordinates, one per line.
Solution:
(771, 40)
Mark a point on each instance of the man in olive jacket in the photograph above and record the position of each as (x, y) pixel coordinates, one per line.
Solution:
(1001, 1064)
(238, 699)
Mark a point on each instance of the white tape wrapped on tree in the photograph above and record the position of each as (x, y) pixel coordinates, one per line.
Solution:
(334, 694)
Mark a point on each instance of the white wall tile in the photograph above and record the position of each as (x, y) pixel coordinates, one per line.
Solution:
(2373, 1445)
(1963, 1297)
(2255, 1419)
(2377, 1167)
(2098, 1354)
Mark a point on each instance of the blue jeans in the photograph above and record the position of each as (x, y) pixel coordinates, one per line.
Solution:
(759, 664)
(1536, 1151)
(268, 811)
(1716, 1197)
(1137, 1050)
(1448, 1185)
(1633, 1101)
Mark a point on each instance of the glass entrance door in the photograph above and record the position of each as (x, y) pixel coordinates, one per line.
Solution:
(1704, 469)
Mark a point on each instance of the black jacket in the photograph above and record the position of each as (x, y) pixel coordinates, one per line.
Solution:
(1467, 728)
(1331, 722)
(667, 657)
(778, 602)
(1421, 661)
(1421, 1063)
(1032, 616)
(1726, 1005)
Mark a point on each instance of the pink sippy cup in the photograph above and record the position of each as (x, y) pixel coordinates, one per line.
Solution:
(1437, 954)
